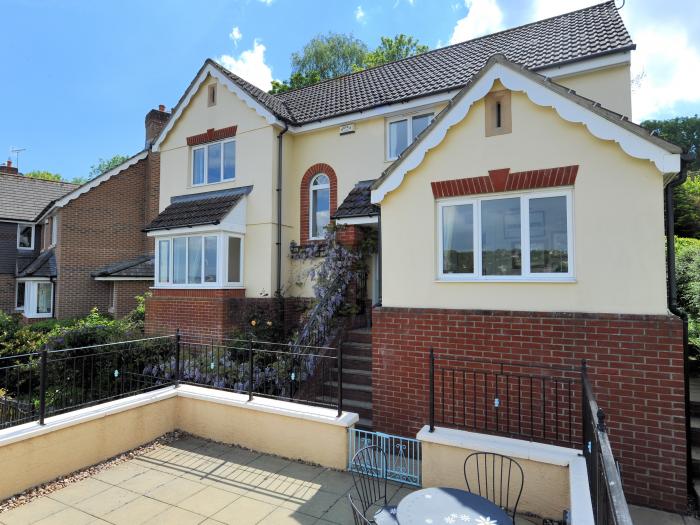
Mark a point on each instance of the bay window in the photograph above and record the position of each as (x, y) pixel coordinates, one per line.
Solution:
(214, 162)
(509, 237)
(34, 298)
(208, 260)
(401, 131)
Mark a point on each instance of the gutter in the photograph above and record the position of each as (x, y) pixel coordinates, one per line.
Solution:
(278, 291)
(672, 298)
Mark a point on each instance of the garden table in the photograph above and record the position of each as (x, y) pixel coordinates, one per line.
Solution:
(440, 506)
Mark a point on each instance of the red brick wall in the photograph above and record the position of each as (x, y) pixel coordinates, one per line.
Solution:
(7, 293)
(152, 196)
(635, 364)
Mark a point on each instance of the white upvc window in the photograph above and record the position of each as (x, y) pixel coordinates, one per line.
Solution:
(34, 297)
(214, 162)
(25, 236)
(320, 208)
(509, 237)
(402, 130)
(54, 230)
(207, 260)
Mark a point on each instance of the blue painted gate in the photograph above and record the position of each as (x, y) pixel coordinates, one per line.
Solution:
(403, 455)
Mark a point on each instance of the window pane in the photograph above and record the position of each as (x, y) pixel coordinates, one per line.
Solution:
(419, 123)
(214, 163)
(398, 137)
(234, 259)
(198, 166)
(548, 235)
(179, 260)
(25, 237)
(210, 259)
(500, 237)
(163, 261)
(43, 298)
(320, 211)
(229, 160)
(321, 180)
(21, 287)
(194, 260)
(458, 239)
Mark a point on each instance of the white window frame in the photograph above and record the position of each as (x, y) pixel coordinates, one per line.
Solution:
(408, 117)
(31, 299)
(526, 275)
(206, 162)
(221, 261)
(21, 225)
(312, 189)
(54, 231)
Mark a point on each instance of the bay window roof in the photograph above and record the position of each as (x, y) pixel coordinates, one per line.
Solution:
(140, 267)
(357, 203)
(200, 209)
(42, 266)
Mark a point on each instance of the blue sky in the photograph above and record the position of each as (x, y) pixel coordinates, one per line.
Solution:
(79, 76)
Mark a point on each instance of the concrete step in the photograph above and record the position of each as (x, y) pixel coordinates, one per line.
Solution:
(364, 424)
(359, 336)
(353, 348)
(362, 408)
(355, 376)
(357, 362)
(352, 391)
(695, 408)
(695, 430)
(695, 453)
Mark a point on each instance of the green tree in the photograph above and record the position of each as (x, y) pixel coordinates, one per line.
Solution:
(329, 56)
(104, 165)
(683, 131)
(297, 80)
(43, 175)
(392, 49)
(687, 207)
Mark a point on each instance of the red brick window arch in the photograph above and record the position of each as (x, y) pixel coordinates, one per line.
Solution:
(319, 200)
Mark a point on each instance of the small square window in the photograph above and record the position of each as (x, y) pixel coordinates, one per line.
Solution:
(25, 236)
(498, 114)
(211, 95)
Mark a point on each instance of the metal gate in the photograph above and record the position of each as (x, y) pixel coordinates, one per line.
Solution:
(403, 455)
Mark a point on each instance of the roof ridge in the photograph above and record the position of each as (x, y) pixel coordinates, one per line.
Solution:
(280, 96)
(24, 177)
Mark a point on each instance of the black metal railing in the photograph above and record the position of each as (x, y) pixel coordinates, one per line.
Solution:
(607, 495)
(41, 384)
(515, 399)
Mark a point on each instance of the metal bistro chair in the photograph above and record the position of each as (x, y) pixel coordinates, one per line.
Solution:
(358, 517)
(369, 473)
(494, 475)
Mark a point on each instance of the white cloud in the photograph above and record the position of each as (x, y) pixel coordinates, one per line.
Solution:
(483, 17)
(548, 8)
(250, 65)
(235, 35)
(360, 14)
(266, 2)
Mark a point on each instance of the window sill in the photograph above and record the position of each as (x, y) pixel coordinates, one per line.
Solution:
(38, 316)
(206, 184)
(564, 280)
(198, 287)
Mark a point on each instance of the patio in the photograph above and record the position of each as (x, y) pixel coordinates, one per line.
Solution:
(191, 481)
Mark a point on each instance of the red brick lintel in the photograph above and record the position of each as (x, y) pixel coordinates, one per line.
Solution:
(211, 135)
(502, 180)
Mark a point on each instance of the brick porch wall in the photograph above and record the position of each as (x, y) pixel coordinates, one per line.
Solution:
(635, 364)
(7, 293)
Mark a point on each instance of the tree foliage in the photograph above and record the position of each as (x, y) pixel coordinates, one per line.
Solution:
(43, 175)
(683, 131)
(687, 207)
(392, 49)
(104, 165)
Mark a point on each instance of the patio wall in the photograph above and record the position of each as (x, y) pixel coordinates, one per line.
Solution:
(31, 454)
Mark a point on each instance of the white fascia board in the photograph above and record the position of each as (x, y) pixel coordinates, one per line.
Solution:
(34, 279)
(231, 86)
(355, 221)
(387, 110)
(599, 127)
(580, 493)
(123, 278)
(586, 66)
(93, 183)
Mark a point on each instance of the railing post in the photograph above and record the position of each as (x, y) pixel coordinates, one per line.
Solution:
(584, 402)
(250, 362)
(177, 357)
(340, 380)
(42, 385)
(432, 390)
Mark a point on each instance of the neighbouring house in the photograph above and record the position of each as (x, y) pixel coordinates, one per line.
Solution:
(520, 216)
(88, 249)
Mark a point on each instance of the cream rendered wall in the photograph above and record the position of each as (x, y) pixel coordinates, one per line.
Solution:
(610, 86)
(618, 220)
(256, 157)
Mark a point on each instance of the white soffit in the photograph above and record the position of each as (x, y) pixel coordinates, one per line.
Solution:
(598, 126)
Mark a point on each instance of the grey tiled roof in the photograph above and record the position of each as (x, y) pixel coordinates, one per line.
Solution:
(589, 32)
(357, 203)
(43, 266)
(137, 268)
(198, 209)
(23, 198)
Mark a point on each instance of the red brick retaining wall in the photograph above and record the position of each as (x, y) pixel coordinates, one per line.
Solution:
(635, 365)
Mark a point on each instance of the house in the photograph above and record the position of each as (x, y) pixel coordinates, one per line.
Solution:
(88, 249)
(519, 211)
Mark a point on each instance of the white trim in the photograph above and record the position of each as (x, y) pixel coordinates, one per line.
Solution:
(206, 147)
(408, 117)
(586, 66)
(31, 297)
(271, 406)
(123, 278)
(94, 183)
(526, 274)
(312, 189)
(634, 145)
(579, 493)
(232, 87)
(21, 225)
(352, 221)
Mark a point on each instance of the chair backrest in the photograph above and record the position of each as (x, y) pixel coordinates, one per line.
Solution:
(357, 515)
(497, 478)
(369, 474)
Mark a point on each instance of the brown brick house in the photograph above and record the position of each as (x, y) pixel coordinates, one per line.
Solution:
(90, 248)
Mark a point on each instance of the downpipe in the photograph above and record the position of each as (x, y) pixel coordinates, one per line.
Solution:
(280, 141)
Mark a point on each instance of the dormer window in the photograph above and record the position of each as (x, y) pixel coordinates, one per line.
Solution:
(214, 162)
(211, 95)
(498, 115)
(25, 236)
(403, 130)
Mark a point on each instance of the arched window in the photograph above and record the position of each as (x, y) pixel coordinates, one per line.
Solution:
(320, 209)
